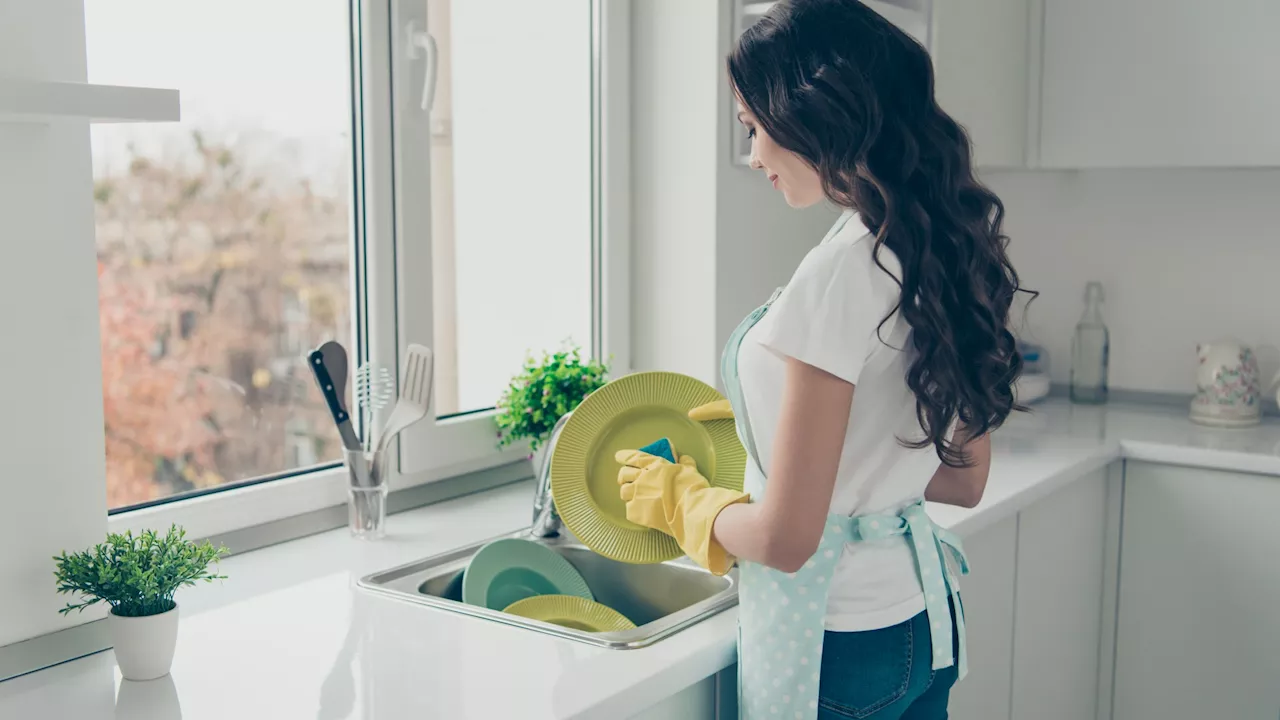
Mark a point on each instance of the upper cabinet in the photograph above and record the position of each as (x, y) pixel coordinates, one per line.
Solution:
(1078, 84)
(981, 51)
(984, 57)
(1160, 83)
(982, 54)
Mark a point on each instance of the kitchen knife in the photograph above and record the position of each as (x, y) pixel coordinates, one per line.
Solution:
(329, 365)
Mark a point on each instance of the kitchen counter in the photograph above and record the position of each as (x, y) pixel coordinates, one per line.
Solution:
(290, 636)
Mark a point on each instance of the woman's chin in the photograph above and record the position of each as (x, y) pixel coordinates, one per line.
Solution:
(800, 203)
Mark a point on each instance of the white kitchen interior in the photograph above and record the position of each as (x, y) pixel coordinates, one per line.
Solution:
(419, 164)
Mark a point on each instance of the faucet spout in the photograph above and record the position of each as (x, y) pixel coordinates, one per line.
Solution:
(546, 520)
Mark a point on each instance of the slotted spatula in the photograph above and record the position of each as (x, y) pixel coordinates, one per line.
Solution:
(415, 394)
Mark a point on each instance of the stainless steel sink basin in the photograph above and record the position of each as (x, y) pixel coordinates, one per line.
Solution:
(660, 599)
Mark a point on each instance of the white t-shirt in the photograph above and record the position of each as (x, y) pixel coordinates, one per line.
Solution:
(828, 317)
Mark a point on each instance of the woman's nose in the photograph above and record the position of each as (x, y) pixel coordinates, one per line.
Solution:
(755, 161)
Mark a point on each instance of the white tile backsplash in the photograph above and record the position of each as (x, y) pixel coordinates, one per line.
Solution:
(1185, 256)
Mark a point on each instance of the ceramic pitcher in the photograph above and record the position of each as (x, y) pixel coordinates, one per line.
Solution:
(1228, 387)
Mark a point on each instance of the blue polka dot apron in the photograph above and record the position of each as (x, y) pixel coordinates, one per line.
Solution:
(781, 617)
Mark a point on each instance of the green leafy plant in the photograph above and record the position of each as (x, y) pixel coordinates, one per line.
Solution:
(545, 391)
(136, 575)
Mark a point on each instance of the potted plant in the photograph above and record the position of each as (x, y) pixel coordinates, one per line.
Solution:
(138, 576)
(544, 392)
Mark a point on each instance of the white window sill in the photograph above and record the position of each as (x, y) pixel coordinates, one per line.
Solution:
(427, 519)
(244, 508)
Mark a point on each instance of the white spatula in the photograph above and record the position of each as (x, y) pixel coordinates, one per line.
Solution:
(415, 394)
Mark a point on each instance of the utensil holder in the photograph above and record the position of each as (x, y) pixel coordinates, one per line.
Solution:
(366, 493)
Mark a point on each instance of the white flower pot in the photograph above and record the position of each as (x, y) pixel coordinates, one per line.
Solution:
(144, 645)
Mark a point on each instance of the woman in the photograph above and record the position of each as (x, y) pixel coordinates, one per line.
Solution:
(868, 384)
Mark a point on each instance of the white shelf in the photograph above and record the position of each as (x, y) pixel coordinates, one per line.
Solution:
(26, 101)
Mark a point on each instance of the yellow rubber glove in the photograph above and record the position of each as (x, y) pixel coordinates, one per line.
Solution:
(676, 499)
(718, 410)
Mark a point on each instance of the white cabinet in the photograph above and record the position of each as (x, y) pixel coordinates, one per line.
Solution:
(988, 593)
(696, 702)
(985, 56)
(983, 53)
(1199, 617)
(1033, 605)
(1058, 613)
(1160, 83)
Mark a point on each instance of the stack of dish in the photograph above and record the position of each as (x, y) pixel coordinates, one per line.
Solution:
(525, 578)
(531, 580)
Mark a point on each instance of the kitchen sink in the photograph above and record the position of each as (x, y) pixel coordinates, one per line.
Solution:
(660, 599)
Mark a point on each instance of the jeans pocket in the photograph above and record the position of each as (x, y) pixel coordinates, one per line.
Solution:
(865, 672)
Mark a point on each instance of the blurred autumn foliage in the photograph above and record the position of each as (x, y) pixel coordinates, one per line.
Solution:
(215, 279)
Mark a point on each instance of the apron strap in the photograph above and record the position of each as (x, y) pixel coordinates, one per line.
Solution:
(932, 547)
(733, 385)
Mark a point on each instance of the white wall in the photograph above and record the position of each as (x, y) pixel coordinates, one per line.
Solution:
(1184, 255)
(673, 161)
(51, 431)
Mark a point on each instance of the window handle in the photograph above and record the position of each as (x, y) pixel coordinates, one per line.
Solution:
(422, 44)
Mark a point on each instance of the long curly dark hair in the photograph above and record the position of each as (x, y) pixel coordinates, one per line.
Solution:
(847, 91)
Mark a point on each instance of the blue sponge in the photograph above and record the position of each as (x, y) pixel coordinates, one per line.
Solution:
(661, 448)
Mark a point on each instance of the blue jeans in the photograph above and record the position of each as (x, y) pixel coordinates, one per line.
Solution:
(884, 674)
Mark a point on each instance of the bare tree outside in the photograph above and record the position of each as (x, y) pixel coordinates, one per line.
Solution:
(223, 241)
(214, 283)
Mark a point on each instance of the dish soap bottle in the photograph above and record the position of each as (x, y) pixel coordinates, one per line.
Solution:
(1090, 350)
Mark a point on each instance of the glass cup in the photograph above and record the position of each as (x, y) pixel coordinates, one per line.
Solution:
(366, 493)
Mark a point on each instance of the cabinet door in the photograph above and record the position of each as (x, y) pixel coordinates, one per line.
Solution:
(1151, 83)
(980, 58)
(1059, 603)
(696, 702)
(988, 603)
(1199, 617)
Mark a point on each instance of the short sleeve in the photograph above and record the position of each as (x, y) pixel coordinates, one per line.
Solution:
(829, 313)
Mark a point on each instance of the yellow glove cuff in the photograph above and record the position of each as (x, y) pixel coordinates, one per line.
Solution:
(695, 517)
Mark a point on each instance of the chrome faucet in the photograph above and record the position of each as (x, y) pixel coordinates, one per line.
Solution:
(546, 521)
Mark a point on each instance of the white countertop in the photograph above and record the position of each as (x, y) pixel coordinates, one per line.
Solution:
(290, 636)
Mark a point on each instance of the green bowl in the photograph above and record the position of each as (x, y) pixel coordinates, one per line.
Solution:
(507, 571)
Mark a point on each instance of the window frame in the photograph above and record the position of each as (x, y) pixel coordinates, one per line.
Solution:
(389, 129)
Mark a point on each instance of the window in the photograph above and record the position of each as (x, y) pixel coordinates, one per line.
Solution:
(511, 230)
(497, 192)
(223, 241)
(379, 172)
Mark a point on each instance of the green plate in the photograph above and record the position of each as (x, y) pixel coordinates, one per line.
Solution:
(572, 612)
(507, 571)
(632, 412)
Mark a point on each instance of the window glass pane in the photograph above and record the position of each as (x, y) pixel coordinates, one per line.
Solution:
(223, 241)
(511, 190)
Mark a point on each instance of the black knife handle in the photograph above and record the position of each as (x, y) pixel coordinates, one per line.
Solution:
(316, 360)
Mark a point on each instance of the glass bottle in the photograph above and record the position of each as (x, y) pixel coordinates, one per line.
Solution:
(1090, 351)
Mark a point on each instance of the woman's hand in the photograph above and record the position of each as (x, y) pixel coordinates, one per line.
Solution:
(963, 486)
(652, 487)
(676, 499)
